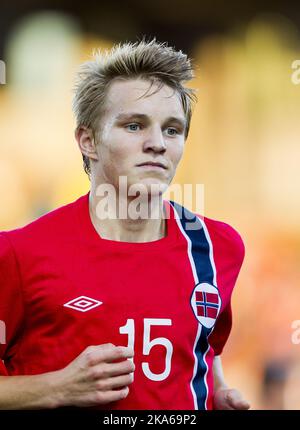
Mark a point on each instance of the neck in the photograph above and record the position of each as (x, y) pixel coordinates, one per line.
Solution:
(127, 219)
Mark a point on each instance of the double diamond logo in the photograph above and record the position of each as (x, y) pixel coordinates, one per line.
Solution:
(83, 304)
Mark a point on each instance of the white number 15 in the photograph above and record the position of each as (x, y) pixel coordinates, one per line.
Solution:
(129, 329)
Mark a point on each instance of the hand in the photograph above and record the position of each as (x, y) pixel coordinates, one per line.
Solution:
(229, 399)
(99, 375)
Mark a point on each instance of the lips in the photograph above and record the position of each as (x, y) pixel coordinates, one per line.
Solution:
(152, 163)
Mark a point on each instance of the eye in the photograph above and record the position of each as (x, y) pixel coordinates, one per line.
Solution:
(133, 127)
(171, 131)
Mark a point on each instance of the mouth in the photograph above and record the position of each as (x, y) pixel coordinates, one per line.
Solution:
(153, 165)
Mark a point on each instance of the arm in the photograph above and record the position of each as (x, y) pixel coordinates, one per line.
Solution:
(99, 375)
(28, 392)
(224, 397)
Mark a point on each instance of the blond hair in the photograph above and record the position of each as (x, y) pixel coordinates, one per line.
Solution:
(152, 60)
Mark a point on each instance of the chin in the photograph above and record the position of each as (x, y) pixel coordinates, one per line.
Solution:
(149, 186)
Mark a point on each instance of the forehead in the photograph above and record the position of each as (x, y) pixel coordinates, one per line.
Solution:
(130, 95)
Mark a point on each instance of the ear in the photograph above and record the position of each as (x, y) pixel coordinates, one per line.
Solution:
(86, 142)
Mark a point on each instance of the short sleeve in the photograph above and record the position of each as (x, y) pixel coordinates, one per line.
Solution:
(221, 330)
(229, 253)
(11, 303)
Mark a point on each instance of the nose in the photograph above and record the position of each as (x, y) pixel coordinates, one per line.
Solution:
(154, 141)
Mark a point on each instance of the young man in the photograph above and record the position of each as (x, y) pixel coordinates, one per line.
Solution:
(114, 311)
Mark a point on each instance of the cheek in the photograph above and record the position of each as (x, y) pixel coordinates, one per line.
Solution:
(119, 154)
(176, 153)
(117, 158)
(119, 148)
(124, 149)
(111, 151)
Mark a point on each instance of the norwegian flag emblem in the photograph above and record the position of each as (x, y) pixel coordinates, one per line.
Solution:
(206, 304)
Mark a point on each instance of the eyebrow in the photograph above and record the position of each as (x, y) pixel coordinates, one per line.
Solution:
(132, 115)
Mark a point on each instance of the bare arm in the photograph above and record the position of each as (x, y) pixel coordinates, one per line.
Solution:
(224, 397)
(99, 375)
(219, 380)
(28, 392)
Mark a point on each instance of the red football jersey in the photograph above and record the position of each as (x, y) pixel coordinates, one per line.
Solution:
(63, 288)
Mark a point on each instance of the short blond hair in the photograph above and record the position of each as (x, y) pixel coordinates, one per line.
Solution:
(152, 60)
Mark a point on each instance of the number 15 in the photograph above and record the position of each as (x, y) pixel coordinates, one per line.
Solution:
(129, 329)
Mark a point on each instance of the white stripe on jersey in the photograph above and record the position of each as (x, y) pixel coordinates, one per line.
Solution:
(196, 280)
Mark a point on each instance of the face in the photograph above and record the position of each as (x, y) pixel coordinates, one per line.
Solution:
(140, 137)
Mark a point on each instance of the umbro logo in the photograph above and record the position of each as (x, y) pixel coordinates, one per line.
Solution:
(83, 304)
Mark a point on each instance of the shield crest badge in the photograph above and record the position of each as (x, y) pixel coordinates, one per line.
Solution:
(206, 303)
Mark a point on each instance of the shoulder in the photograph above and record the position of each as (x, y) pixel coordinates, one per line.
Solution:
(225, 237)
(226, 242)
(5, 246)
(222, 236)
(51, 224)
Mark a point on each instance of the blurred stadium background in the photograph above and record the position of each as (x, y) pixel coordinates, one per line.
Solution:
(244, 146)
